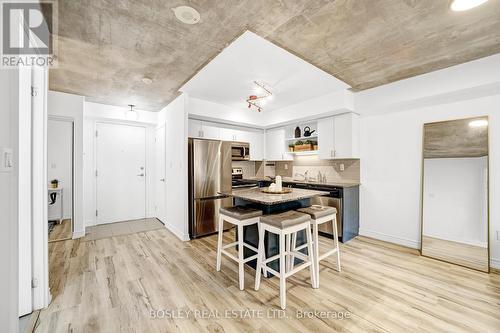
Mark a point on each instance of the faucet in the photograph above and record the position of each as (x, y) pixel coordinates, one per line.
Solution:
(305, 175)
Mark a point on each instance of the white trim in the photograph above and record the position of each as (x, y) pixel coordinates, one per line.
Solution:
(390, 238)
(89, 223)
(495, 263)
(178, 233)
(41, 294)
(78, 234)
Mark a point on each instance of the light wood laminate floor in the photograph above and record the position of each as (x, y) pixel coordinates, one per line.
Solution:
(112, 284)
(61, 231)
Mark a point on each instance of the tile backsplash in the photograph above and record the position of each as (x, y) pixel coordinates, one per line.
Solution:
(248, 167)
(334, 170)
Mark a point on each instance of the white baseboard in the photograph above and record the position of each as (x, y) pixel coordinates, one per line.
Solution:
(495, 263)
(182, 236)
(90, 223)
(390, 238)
(78, 234)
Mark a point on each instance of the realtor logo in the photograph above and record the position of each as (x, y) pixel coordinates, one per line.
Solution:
(27, 33)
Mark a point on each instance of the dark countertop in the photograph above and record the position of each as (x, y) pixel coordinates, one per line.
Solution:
(294, 181)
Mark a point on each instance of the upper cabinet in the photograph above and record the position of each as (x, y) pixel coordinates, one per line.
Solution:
(203, 130)
(208, 130)
(338, 137)
(275, 145)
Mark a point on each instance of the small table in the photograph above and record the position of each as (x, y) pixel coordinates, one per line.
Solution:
(271, 204)
(56, 209)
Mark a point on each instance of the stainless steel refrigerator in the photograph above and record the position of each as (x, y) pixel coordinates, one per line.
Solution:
(209, 175)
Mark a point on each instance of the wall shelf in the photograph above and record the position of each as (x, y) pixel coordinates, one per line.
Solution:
(302, 138)
(305, 152)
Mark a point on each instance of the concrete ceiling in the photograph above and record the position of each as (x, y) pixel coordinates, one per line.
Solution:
(107, 46)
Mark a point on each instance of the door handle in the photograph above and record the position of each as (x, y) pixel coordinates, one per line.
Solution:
(162, 179)
(141, 175)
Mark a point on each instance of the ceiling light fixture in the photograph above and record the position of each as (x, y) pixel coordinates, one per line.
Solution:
(479, 123)
(132, 114)
(463, 5)
(147, 80)
(186, 14)
(262, 95)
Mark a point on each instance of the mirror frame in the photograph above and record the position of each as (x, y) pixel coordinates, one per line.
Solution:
(422, 192)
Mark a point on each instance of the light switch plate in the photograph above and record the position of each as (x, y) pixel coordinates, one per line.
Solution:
(6, 160)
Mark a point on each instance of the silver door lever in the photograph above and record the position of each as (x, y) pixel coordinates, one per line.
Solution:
(141, 175)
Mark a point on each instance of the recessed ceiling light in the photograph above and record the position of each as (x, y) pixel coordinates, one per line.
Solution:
(462, 5)
(478, 123)
(147, 80)
(187, 14)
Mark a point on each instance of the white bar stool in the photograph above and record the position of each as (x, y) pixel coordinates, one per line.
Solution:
(240, 217)
(284, 224)
(319, 215)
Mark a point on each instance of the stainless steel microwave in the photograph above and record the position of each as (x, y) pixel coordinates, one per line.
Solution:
(240, 151)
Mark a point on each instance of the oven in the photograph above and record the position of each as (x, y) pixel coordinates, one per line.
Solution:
(240, 151)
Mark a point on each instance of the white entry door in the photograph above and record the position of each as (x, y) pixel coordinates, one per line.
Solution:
(160, 181)
(121, 172)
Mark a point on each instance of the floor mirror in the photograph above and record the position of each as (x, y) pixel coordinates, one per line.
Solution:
(455, 195)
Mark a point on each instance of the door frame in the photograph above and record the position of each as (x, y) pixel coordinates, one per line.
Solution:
(71, 120)
(157, 172)
(147, 167)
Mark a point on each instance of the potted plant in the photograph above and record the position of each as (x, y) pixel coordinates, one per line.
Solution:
(291, 146)
(314, 145)
(302, 145)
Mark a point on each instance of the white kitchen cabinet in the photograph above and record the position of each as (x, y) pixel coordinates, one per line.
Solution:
(346, 135)
(326, 138)
(194, 128)
(338, 137)
(231, 134)
(208, 130)
(275, 146)
(256, 140)
(203, 130)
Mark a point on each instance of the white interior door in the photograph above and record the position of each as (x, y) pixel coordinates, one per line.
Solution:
(160, 181)
(121, 172)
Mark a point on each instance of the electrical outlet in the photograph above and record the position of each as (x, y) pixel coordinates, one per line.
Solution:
(342, 167)
(286, 166)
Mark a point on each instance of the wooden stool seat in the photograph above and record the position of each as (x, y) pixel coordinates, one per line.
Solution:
(240, 217)
(284, 225)
(319, 215)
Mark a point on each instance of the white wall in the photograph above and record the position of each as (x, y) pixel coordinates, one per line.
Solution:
(95, 112)
(454, 200)
(174, 116)
(9, 111)
(322, 106)
(391, 158)
(69, 106)
(60, 160)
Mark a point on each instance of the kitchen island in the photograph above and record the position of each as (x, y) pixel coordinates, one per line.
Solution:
(271, 204)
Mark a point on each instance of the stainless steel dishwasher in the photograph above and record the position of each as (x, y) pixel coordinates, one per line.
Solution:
(331, 201)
